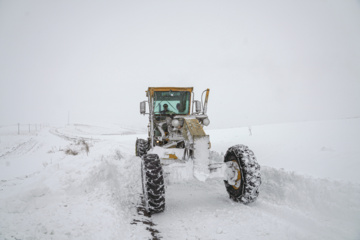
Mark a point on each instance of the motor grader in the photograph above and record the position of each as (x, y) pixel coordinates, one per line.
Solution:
(176, 136)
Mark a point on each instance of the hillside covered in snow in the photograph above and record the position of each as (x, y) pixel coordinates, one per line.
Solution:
(84, 182)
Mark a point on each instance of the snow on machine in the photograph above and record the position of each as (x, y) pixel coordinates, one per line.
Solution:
(176, 138)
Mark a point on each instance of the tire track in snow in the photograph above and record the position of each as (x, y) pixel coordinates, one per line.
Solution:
(144, 218)
(67, 137)
(21, 148)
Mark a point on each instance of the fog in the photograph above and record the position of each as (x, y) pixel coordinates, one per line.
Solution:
(264, 61)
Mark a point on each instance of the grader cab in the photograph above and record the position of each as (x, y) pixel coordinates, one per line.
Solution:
(176, 135)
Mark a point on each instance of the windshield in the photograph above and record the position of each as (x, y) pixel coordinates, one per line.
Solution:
(177, 102)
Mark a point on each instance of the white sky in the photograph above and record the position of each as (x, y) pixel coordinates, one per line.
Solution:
(264, 61)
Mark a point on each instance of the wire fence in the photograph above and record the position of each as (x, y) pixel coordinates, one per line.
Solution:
(21, 128)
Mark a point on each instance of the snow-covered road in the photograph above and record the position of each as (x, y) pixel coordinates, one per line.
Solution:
(310, 189)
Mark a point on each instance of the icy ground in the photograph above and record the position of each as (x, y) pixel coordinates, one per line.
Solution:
(83, 182)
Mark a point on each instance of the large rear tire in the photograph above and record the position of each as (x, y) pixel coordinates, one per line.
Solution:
(244, 177)
(153, 183)
(141, 147)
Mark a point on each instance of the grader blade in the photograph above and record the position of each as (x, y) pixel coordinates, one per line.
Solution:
(194, 133)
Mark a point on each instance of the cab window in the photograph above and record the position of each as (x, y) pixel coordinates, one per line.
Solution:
(178, 102)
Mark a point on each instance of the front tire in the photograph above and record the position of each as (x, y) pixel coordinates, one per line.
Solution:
(153, 183)
(244, 177)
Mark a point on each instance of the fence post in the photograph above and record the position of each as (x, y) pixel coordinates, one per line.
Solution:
(18, 128)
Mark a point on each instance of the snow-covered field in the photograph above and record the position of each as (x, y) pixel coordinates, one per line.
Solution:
(83, 182)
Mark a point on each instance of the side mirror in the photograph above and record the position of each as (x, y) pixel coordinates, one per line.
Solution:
(143, 107)
(197, 106)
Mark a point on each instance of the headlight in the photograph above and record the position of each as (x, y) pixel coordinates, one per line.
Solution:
(175, 123)
(206, 121)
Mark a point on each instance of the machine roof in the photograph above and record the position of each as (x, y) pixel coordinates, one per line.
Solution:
(151, 90)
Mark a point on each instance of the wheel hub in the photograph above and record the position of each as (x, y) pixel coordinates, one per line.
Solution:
(233, 174)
